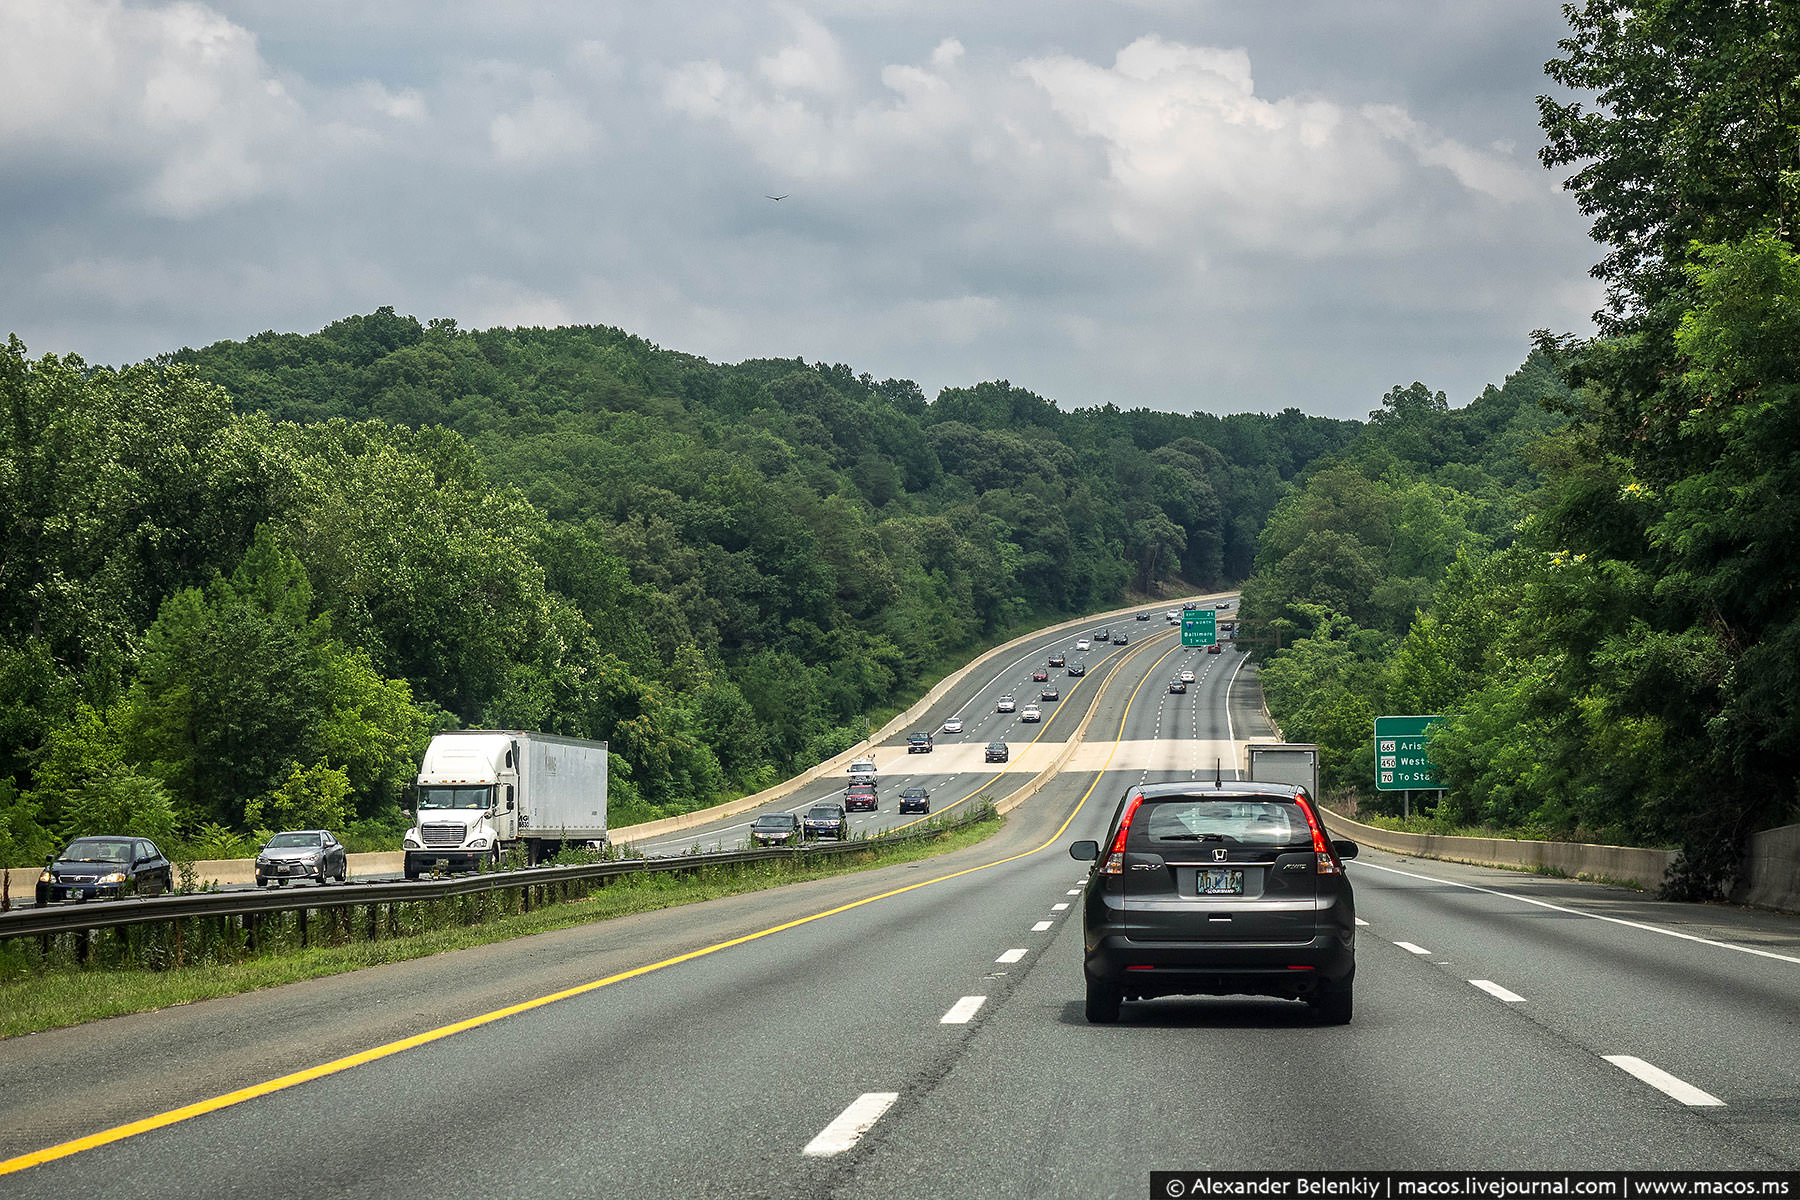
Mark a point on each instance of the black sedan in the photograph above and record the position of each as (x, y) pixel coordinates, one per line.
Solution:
(775, 829)
(100, 867)
(302, 854)
(824, 820)
(1218, 889)
(1078, 669)
(915, 800)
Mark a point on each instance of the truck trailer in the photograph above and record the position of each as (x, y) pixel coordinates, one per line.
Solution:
(481, 792)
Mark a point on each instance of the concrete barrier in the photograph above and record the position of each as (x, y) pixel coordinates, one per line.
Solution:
(1631, 864)
(1771, 874)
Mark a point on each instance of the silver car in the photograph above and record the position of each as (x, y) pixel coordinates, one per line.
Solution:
(302, 854)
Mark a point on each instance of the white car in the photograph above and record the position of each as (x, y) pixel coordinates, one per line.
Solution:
(953, 725)
(1187, 677)
(1223, 604)
(1031, 713)
(1081, 644)
(1173, 615)
(1006, 704)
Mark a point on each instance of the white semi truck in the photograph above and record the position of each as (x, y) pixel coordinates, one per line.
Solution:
(481, 792)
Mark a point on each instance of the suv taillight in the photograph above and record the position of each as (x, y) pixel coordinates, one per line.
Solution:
(1115, 857)
(1328, 863)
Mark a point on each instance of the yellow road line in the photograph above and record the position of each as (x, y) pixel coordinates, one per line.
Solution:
(175, 1116)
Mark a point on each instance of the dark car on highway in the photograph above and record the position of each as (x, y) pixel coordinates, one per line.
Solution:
(302, 854)
(1143, 616)
(1078, 668)
(824, 820)
(1218, 889)
(860, 796)
(996, 752)
(1056, 660)
(99, 867)
(919, 743)
(915, 800)
(1050, 693)
(1177, 685)
(1121, 639)
(775, 829)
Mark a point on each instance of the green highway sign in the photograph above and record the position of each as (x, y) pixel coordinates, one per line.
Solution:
(1199, 627)
(1401, 763)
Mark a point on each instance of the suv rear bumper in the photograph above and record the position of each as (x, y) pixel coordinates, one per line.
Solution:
(1294, 970)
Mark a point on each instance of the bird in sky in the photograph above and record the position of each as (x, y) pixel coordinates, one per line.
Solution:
(783, 196)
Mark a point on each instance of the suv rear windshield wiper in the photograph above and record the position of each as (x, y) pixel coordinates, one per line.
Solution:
(1192, 837)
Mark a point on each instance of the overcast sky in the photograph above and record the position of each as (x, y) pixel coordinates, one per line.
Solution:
(1245, 205)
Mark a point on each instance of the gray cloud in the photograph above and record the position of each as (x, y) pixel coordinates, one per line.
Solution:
(1212, 206)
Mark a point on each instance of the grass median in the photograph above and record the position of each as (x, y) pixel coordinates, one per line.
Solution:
(36, 996)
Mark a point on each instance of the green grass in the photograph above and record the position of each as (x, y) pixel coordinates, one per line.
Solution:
(35, 996)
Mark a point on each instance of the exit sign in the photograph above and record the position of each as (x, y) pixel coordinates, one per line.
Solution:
(1401, 762)
(1199, 627)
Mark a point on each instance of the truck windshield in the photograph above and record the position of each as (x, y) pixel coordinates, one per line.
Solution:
(456, 797)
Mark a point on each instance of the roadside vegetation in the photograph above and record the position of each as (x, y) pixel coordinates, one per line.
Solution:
(1589, 572)
(241, 586)
(137, 972)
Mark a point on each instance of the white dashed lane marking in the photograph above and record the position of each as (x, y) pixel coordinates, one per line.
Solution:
(1664, 1082)
(1497, 992)
(1041, 926)
(1012, 956)
(850, 1124)
(1058, 907)
(963, 1011)
(1412, 949)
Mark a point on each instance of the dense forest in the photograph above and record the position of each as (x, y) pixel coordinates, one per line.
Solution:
(1608, 620)
(241, 585)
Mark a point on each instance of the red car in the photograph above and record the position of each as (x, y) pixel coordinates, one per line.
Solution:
(1040, 675)
(859, 795)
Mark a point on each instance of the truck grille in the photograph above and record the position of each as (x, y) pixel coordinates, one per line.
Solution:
(441, 834)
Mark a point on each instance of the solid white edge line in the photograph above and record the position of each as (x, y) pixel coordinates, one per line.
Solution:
(851, 1124)
(1497, 992)
(1012, 956)
(1408, 946)
(963, 1011)
(1662, 1081)
(1686, 937)
(1041, 926)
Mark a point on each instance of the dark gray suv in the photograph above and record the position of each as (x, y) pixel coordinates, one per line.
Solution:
(1218, 889)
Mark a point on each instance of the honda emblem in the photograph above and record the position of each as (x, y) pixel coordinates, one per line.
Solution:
(1221, 855)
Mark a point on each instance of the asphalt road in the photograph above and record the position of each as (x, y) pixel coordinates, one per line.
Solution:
(732, 1048)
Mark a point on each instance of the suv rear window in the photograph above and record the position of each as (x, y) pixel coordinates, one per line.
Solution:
(1232, 820)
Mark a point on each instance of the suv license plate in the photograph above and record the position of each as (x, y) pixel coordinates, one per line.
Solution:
(1219, 881)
